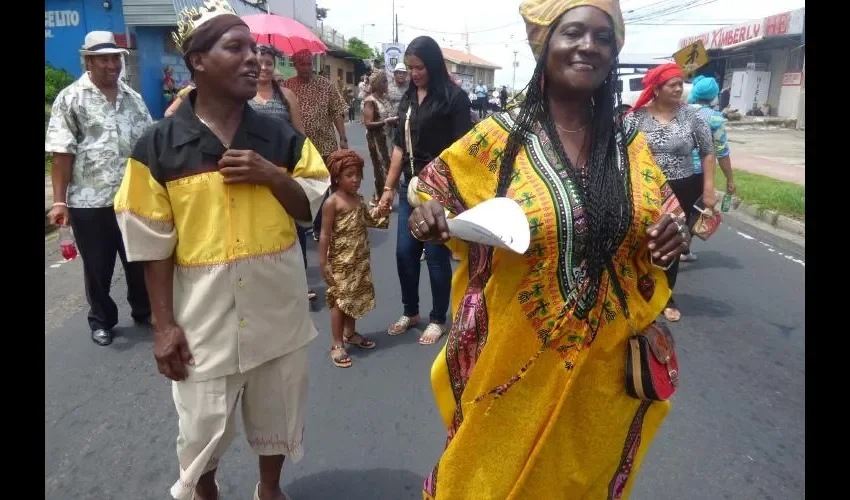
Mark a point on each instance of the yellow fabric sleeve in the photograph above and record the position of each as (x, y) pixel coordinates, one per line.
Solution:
(312, 175)
(144, 215)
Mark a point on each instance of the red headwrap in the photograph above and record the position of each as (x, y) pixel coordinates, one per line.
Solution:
(655, 77)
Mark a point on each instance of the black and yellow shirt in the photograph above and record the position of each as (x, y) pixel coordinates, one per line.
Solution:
(239, 284)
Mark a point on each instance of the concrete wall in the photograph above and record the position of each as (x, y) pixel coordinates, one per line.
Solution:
(478, 74)
(336, 65)
(303, 11)
(778, 63)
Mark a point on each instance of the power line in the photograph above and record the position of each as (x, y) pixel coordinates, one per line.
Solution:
(461, 32)
(673, 8)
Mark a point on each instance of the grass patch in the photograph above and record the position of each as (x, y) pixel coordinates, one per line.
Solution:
(784, 197)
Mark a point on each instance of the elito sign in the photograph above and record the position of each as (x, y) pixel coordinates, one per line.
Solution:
(691, 58)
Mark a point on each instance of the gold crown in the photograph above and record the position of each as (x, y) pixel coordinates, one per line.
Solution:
(191, 18)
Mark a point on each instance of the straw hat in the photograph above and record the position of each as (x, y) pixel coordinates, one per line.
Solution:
(98, 43)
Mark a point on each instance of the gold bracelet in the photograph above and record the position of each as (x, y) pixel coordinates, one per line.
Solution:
(387, 188)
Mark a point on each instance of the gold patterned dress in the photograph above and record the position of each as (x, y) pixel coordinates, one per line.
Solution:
(348, 260)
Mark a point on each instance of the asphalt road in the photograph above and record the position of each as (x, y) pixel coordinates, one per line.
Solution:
(736, 430)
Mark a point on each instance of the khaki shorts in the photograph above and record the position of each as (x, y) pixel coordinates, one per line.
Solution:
(274, 400)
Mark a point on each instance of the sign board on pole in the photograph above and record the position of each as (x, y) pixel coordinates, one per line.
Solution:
(393, 54)
(691, 58)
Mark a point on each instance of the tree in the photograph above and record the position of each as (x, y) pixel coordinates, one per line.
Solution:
(378, 61)
(360, 49)
(321, 14)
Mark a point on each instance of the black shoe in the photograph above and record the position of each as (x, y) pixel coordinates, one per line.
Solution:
(101, 337)
(146, 321)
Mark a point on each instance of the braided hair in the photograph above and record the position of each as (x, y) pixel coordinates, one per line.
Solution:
(604, 183)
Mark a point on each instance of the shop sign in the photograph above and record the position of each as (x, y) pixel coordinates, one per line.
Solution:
(728, 37)
(792, 79)
(54, 19)
(787, 23)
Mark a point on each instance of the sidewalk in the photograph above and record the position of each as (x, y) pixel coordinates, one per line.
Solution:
(779, 153)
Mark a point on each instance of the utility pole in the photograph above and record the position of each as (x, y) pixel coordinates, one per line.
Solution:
(513, 84)
(394, 24)
(395, 38)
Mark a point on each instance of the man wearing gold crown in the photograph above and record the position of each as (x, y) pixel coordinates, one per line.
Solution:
(209, 203)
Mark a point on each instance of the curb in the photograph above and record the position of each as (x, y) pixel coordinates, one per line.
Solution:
(763, 123)
(771, 217)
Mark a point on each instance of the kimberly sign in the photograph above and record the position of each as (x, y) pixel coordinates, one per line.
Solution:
(787, 23)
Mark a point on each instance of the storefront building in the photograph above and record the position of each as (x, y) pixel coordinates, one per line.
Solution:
(66, 23)
(470, 69)
(144, 27)
(763, 62)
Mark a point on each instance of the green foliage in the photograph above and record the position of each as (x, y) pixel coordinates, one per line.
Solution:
(54, 81)
(360, 49)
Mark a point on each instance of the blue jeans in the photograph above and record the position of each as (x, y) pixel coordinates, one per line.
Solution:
(407, 254)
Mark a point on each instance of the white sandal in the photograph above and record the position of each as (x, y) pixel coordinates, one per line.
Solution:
(431, 330)
(402, 325)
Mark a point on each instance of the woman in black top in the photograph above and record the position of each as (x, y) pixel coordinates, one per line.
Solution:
(432, 115)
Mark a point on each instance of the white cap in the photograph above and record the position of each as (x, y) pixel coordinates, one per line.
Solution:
(400, 67)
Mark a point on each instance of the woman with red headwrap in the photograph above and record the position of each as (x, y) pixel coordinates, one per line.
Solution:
(673, 130)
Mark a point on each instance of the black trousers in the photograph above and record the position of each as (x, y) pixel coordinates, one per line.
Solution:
(687, 191)
(99, 241)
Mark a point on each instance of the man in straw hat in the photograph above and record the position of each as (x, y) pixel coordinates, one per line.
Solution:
(93, 125)
(210, 203)
(398, 86)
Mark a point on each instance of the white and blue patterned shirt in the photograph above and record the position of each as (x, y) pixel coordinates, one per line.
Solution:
(100, 136)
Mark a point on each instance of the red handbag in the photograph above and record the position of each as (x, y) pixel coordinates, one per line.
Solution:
(652, 367)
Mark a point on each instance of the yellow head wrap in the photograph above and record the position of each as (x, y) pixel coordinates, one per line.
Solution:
(540, 14)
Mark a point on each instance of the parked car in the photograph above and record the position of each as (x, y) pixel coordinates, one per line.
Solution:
(631, 86)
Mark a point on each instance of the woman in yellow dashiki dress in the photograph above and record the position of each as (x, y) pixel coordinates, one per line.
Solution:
(531, 382)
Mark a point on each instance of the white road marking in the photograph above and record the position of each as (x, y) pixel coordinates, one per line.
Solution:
(770, 248)
(54, 266)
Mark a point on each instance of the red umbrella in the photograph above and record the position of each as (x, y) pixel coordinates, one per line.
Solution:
(288, 35)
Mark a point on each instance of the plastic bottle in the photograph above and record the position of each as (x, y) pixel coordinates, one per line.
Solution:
(67, 245)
